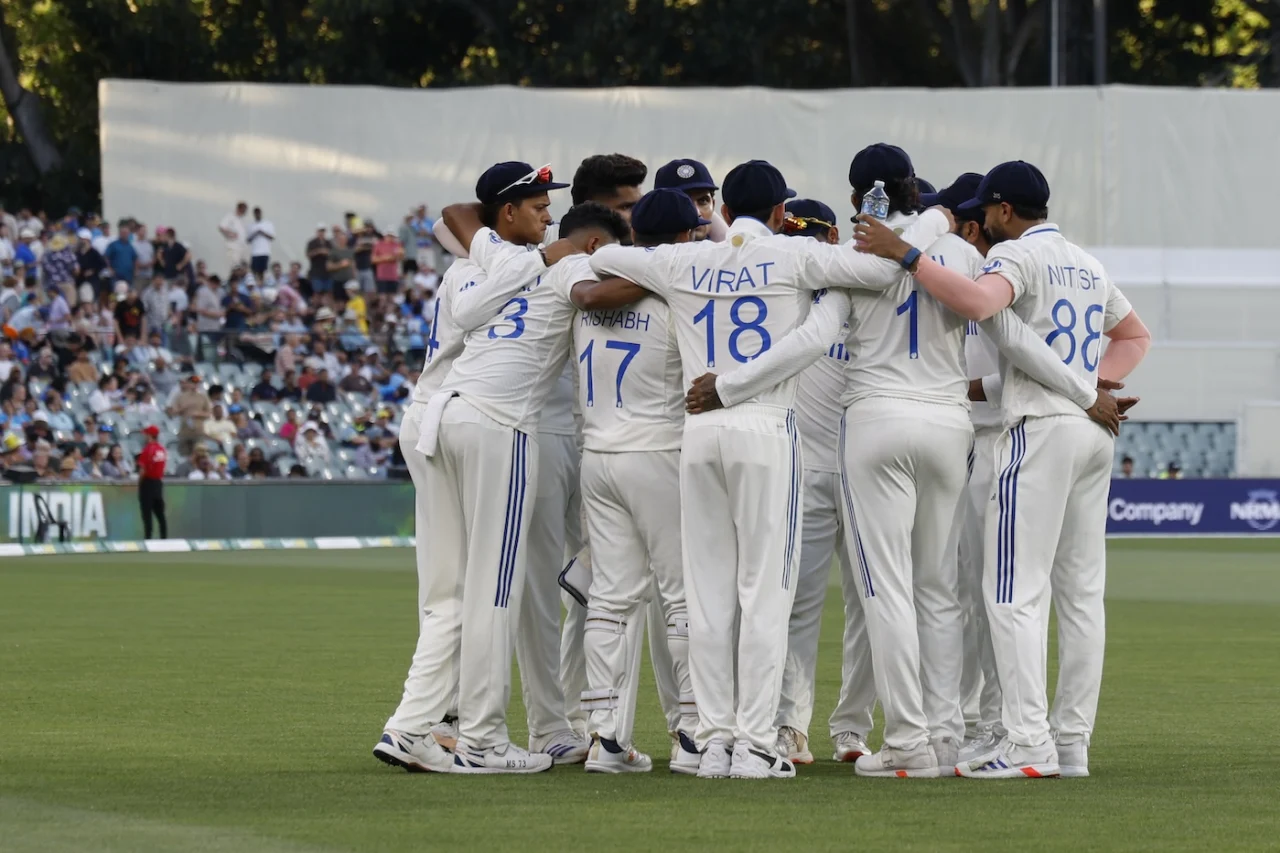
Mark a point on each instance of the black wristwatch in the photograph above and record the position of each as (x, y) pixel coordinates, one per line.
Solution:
(909, 259)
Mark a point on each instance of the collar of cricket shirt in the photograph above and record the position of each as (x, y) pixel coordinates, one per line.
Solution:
(746, 228)
(1042, 228)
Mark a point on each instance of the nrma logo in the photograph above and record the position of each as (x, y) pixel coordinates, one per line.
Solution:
(1261, 511)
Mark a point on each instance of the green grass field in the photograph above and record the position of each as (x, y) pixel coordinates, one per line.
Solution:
(228, 702)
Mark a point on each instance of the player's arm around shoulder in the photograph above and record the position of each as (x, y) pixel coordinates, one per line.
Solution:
(648, 267)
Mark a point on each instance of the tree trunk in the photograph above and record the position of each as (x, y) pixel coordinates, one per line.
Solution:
(991, 45)
(851, 36)
(24, 108)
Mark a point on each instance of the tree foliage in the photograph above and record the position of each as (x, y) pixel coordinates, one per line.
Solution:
(58, 50)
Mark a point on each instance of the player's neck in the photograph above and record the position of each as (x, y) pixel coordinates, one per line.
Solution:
(1018, 227)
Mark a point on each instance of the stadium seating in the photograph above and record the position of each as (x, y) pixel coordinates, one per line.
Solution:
(1199, 449)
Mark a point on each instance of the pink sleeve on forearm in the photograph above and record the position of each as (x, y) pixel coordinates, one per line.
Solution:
(976, 300)
(1129, 342)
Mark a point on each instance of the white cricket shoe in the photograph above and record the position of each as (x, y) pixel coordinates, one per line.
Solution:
(415, 753)
(507, 758)
(628, 760)
(793, 744)
(984, 745)
(749, 763)
(1013, 762)
(1073, 760)
(716, 761)
(685, 758)
(850, 746)
(888, 763)
(566, 747)
(446, 733)
(946, 753)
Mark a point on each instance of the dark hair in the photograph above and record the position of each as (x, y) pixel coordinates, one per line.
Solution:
(489, 211)
(592, 214)
(904, 194)
(600, 175)
(1128, 459)
(1031, 213)
(762, 215)
(655, 239)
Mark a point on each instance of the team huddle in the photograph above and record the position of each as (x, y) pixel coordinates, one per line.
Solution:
(671, 420)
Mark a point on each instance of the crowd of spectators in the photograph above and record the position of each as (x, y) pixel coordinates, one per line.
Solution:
(256, 372)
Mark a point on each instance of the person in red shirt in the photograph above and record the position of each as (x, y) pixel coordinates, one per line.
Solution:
(151, 463)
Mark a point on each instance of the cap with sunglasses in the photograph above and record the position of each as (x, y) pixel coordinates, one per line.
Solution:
(808, 217)
(513, 181)
(665, 211)
(686, 175)
(755, 186)
(961, 190)
(1016, 182)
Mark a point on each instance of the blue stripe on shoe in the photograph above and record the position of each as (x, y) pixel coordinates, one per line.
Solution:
(856, 537)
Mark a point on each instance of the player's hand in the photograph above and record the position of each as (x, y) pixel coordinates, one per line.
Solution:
(873, 237)
(559, 250)
(702, 396)
(1123, 404)
(977, 391)
(1105, 411)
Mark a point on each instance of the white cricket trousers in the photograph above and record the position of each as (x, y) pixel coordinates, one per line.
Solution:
(904, 467)
(1047, 532)
(480, 487)
(741, 476)
(410, 429)
(553, 538)
(979, 682)
(631, 502)
(821, 541)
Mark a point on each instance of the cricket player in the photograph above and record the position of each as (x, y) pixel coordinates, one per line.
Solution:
(693, 178)
(478, 432)
(1046, 530)
(818, 414)
(630, 393)
(741, 466)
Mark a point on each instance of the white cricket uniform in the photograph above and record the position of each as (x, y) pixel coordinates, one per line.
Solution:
(979, 683)
(740, 466)
(1046, 525)
(906, 438)
(443, 346)
(631, 396)
(554, 536)
(479, 433)
(818, 414)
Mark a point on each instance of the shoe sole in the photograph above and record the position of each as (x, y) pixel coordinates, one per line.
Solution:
(1068, 772)
(900, 773)
(493, 771)
(615, 769)
(1026, 771)
(848, 757)
(403, 760)
(683, 769)
(800, 758)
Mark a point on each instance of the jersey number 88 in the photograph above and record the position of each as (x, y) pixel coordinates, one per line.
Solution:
(1064, 318)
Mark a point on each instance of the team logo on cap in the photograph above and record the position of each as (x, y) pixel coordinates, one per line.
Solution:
(684, 171)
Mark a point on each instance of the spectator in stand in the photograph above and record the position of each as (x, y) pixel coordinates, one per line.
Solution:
(288, 296)
(202, 466)
(234, 235)
(387, 255)
(24, 254)
(1126, 468)
(10, 297)
(221, 469)
(60, 418)
(1172, 471)
(311, 449)
(176, 260)
(145, 252)
(290, 389)
(6, 250)
(259, 469)
(274, 276)
(297, 472)
(261, 234)
(342, 267)
(44, 367)
(318, 250)
(426, 240)
(89, 267)
(193, 408)
(209, 314)
(40, 459)
(94, 461)
(321, 358)
(163, 379)
(246, 427)
(8, 220)
(152, 351)
(82, 369)
(289, 429)
(238, 307)
(129, 314)
(101, 235)
(107, 398)
(264, 391)
(59, 264)
(121, 255)
(157, 307)
(7, 361)
(356, 382)
(119, 466)
(357, 308)
(322, 389)
(143, 402)
(307, 377)
(366, 239)
(239, 468)
(59, 310)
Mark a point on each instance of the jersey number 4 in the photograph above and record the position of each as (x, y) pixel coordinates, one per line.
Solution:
(740, 327)
(1064, 323)
(631, 350)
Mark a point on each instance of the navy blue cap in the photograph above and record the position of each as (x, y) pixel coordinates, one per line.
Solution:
(961, 190)
(816, 218)
(512, 181)
(925, 187)
(754, 185)
(879, 162)
(683, 175)
(1015, 182)
(665, 211)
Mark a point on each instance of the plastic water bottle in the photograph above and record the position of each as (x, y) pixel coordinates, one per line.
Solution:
(876, 202)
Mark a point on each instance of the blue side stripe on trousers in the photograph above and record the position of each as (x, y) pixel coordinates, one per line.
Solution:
(869, 589)
(793, 498)
(1008, 505)
(516, 484)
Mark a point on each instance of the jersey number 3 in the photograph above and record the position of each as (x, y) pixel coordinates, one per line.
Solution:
(740, 327)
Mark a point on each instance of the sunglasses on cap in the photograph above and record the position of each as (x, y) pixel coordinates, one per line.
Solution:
(792, 224)
(537, 176)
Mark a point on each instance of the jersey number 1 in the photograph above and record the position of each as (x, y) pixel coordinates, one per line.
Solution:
(631, 350)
